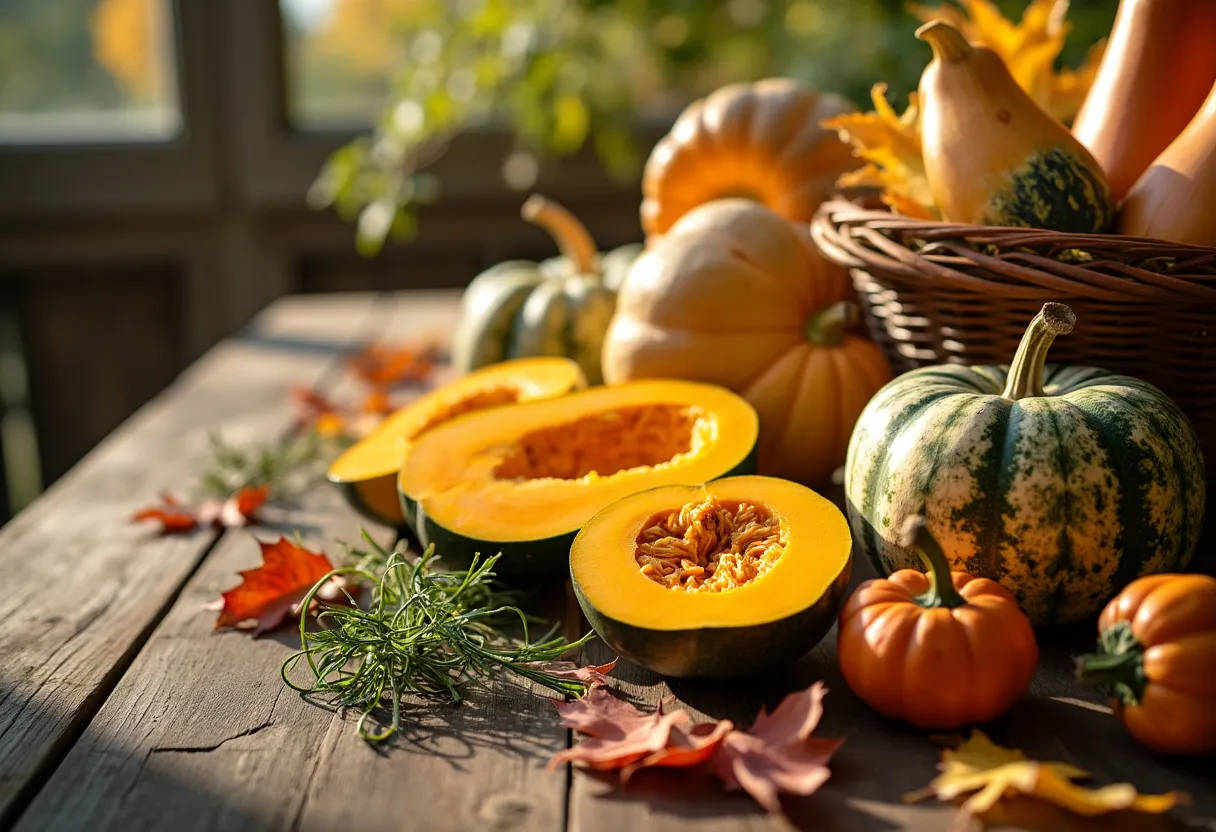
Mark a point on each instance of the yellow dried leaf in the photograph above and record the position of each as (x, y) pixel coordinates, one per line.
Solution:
(1029, 48)
(989, 772)
(890, 143)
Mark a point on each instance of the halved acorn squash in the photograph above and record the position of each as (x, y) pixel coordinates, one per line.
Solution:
(366, 473)
(522, 480)
(723, 580)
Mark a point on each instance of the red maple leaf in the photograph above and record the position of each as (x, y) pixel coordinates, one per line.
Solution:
(779, 755)
(685, 748)
(381, 365)
(592, 675)
(622, 737)
(175, 518)
(275, 589)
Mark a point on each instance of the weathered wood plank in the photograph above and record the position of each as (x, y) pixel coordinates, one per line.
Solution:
(201, 734)
(84, 586)
(883, 759)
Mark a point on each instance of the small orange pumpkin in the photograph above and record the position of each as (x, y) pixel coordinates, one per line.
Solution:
(761, 140)
(939, 650)
(1157, 654)
(737, 296)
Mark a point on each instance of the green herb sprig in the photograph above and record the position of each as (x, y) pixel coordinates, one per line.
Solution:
(425, 632)
(287, 467)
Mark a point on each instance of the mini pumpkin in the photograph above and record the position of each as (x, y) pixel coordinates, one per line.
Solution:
(939, 649)
(761, 140)
(558, 307)
(1157, 655)
(738, 296)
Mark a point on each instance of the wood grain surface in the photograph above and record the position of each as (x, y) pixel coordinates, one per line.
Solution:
(148, 719)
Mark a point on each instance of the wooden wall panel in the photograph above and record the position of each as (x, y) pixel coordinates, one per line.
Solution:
(99, 342)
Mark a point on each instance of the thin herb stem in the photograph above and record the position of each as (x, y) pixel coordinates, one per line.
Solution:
(424, 633)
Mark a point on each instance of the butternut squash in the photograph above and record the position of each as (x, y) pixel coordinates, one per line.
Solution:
(995, 157)
(1153, 78)
(1174, 199)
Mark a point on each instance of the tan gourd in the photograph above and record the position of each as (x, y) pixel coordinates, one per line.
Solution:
(1175, 199)
(992, 155)
(1155, 73)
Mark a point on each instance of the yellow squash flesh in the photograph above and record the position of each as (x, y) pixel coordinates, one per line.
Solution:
(367, 472)
(772, 619)
(517, 479)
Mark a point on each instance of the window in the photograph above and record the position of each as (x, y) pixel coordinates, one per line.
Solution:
(339, 57)
(87, 71)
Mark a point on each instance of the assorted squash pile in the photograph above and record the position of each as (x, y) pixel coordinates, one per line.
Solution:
(677, 495)
(984, 140)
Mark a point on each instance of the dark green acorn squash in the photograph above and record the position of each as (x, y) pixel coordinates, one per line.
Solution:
(1062, 483)
(559, 307)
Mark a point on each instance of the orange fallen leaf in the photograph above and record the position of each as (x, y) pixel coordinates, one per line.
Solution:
(592, 675)
(381, 365)
(779, 755)
(272, 591)
(989, 772)
(620, 733)
(377, 402)
(309, 407)
(685, 748)
(172, 516)
(237, 510)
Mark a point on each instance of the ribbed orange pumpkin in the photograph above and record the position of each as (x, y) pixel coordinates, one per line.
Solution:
(735, 295)
(761, 141)
(1157, 656)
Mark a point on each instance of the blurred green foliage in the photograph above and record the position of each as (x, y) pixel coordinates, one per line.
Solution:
(561, 73)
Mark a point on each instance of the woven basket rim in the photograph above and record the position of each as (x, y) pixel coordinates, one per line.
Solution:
(1013, 262)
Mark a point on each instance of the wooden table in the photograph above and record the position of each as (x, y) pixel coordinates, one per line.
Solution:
(121, 709)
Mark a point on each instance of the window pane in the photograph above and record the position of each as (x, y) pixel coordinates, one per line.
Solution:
(86, 71)
(339, 57)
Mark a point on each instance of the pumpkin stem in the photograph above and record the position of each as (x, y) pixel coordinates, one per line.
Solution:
(1026, 372)
(947, 42)
(571, 235)
(826, 327)
(941, 592)
(1118, 666)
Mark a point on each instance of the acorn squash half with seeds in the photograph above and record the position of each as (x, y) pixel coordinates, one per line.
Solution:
(728, 579)
(366, 473)
(522, 480)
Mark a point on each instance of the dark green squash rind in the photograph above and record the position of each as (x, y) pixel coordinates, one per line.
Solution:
(1055, 190)
(722, 652)
(523, 562)
(354, 498)
(1120, 473)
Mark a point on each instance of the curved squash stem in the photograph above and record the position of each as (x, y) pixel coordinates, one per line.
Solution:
(941, 586)
(571, 235)
(947, 42)
(1119, 666)
(1026, 371)
(826, 327)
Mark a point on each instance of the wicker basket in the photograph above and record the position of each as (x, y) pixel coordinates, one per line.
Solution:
(936, 292)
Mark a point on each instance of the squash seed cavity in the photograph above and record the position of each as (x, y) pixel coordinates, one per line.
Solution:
(710, 546)
(482, 399)
(606, 443)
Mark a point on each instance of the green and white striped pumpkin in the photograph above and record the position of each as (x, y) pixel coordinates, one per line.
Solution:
(1062, 483)
(561, 306)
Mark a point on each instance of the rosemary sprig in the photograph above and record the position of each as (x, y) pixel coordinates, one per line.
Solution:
(425, 633)
(287, 467)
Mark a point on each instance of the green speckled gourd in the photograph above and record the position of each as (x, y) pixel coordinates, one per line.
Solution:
(561, 306)
(995, 157)
(1062, 483)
